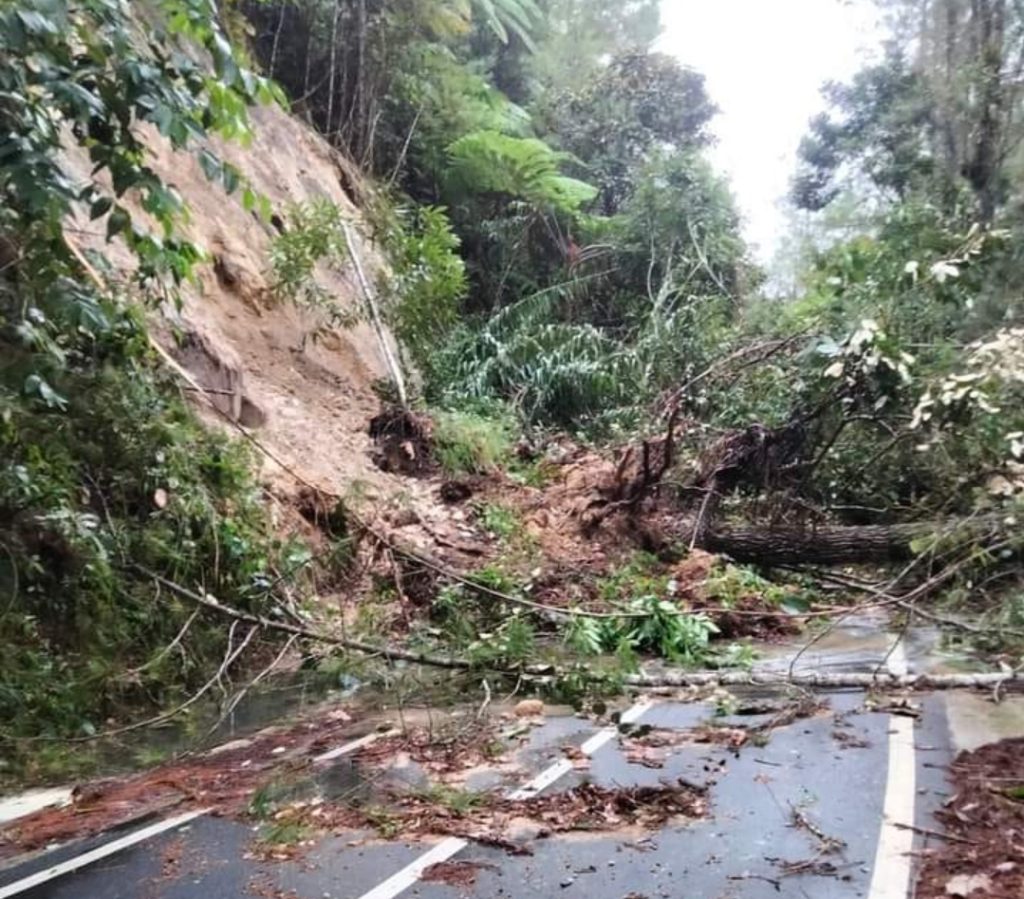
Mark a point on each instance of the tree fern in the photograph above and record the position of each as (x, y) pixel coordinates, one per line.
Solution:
(491, 162)
(515, 16)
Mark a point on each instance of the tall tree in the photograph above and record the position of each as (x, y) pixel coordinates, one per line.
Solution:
(940, 115)
(641, 102)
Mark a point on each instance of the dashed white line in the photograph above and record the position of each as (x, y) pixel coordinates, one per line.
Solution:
(398, 883)
(391, 887)
(542, 781)
(87, 858)
(101, 852)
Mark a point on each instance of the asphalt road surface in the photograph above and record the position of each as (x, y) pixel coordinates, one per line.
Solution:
(865, 778)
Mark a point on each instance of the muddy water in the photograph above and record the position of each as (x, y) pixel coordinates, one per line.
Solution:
(865, 642)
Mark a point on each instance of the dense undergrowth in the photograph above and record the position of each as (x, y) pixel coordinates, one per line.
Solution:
(119, 480)
(104, 472)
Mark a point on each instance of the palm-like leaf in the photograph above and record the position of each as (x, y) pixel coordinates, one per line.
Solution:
(491, 162)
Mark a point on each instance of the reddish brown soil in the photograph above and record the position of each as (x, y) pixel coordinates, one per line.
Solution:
(985, 821)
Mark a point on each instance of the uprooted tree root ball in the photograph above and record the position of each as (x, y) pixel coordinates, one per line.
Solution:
(403, 441)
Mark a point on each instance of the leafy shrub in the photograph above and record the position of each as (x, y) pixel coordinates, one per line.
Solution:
(101, 466)
(488, 162)
(654, 625)
(554, 373)
(500, 520)
(119, 479)
(426, 278)
(314, 235)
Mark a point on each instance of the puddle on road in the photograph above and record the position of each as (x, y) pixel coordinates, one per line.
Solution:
(862, 642)
(975, 720)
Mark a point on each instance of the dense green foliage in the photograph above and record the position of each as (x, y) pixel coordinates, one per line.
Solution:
(562, 255)
(101, 467)
(559, 184)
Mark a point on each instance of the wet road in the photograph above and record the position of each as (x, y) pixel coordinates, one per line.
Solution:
(859, 776)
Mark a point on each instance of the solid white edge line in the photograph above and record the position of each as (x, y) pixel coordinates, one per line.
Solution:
(891, 876)
(101, 852)
(347, 748)
(400, 882)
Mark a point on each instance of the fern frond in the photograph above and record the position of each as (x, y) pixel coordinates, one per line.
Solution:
(492, 162)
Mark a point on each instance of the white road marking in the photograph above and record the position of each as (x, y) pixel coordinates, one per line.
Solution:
(891, 877)
(391, 887)
(407, 877)
(542, 781)
(32, 801)
(101, 852)
(23, 805)
(348, 748)
(400, 882)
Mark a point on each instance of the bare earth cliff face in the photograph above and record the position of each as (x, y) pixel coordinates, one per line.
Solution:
(309, 400)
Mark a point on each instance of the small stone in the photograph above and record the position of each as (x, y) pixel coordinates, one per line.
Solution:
(528, 708)
(568, 882)
(966, 884)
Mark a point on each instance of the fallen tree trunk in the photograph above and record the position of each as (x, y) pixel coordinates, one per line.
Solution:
(839, 545)
(865, 680)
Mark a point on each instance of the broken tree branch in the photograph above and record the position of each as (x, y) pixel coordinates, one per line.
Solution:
(838, 680)
(391, 654)
(665, 679)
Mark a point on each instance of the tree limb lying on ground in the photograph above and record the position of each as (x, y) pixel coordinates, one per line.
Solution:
(1002, 680)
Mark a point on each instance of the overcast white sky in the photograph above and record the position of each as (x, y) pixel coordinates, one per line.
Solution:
(765, 61)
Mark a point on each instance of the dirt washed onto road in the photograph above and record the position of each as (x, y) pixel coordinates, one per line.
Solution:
(983, 854)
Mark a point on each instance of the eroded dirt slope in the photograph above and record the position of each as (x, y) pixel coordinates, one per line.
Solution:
(309, 404)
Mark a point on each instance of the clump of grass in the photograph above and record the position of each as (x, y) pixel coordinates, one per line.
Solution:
(465, 443)
(458, 802)
(642, 575)
(500, 520)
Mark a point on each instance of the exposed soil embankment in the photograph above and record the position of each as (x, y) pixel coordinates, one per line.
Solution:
(308, 399)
